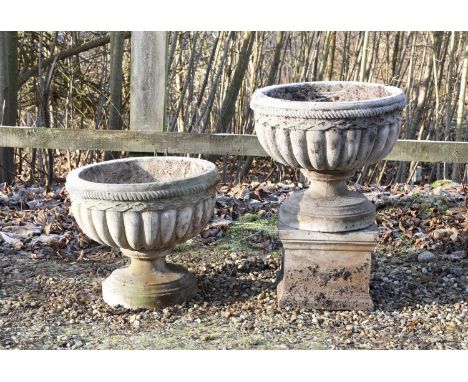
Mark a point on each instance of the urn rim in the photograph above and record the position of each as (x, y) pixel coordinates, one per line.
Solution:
(206, 178)
(262, 102)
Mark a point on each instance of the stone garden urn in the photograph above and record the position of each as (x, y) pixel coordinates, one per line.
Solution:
(145, 206)
(328, 130)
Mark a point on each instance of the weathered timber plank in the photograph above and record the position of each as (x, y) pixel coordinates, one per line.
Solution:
(216, 144)
(136, 141)
(429, 151)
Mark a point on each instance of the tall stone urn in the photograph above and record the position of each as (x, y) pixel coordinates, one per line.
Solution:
(145, 206)
(328, 130)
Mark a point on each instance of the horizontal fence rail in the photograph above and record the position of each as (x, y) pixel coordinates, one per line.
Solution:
(185, 143)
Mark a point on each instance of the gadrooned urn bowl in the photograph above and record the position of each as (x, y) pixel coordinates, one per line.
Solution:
(143, 203)
(331, 126)
(145, 206)
(329, 130)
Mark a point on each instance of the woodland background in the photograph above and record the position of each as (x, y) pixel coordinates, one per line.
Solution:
(82, 80)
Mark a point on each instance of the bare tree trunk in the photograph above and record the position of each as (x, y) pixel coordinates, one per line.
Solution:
(417, 118)
(365, 46)
(172, 47)
(205, 82)
(43, 119)
(324, 59)
(276, 59)
(402, 166)
(436, 36)
(8, 98)
(396, 49)
(356, 58)
(421, 98)
(331, 57)
(448, 116)
(375, 52)
(363, 77)
(307, 57)
(228, 106)
(205, 114)
(270, 81)
(344, 57)
(315, 67)
(115, 87)
(460, 108)
(184, 87)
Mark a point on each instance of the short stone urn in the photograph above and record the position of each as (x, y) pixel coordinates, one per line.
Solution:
(328, 130)
(145, 206)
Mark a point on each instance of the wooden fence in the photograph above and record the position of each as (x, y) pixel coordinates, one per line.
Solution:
(183, 143)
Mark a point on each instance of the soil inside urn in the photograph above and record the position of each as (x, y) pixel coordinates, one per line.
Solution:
(328, 92)
(145, 170)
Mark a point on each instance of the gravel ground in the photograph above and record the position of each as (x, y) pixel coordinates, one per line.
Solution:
(418, 283)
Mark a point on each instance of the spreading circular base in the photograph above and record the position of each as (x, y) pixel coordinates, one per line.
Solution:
(149, 290)
(339, 213)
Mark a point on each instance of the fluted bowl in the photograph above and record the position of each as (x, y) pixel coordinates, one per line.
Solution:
(143, 203)
(334, 126)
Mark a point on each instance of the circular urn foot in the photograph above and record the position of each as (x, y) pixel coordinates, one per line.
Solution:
(149, 282)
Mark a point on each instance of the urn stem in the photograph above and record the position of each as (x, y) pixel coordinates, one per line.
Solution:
(144, 262)
(326, 186)
(148, 266)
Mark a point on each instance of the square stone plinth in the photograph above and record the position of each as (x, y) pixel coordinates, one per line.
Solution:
(326, 270)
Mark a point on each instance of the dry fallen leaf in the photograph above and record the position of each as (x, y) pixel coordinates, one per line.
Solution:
(80, 257)
(47, 228)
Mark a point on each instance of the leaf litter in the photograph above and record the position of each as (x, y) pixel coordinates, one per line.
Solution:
(50, 275)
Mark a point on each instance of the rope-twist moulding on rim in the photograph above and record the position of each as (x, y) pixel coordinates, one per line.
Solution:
(143, 203)
(328, 100)
(348, 130)
(330, 114)
(143, 195)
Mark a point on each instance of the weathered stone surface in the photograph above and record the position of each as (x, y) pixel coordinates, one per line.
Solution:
(327, 206)
(326, 270)
(148, 282)
(143, 203)
(145, 206)
(328, 126)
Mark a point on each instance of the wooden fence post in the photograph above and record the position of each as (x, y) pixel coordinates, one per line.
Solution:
(148, 81)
